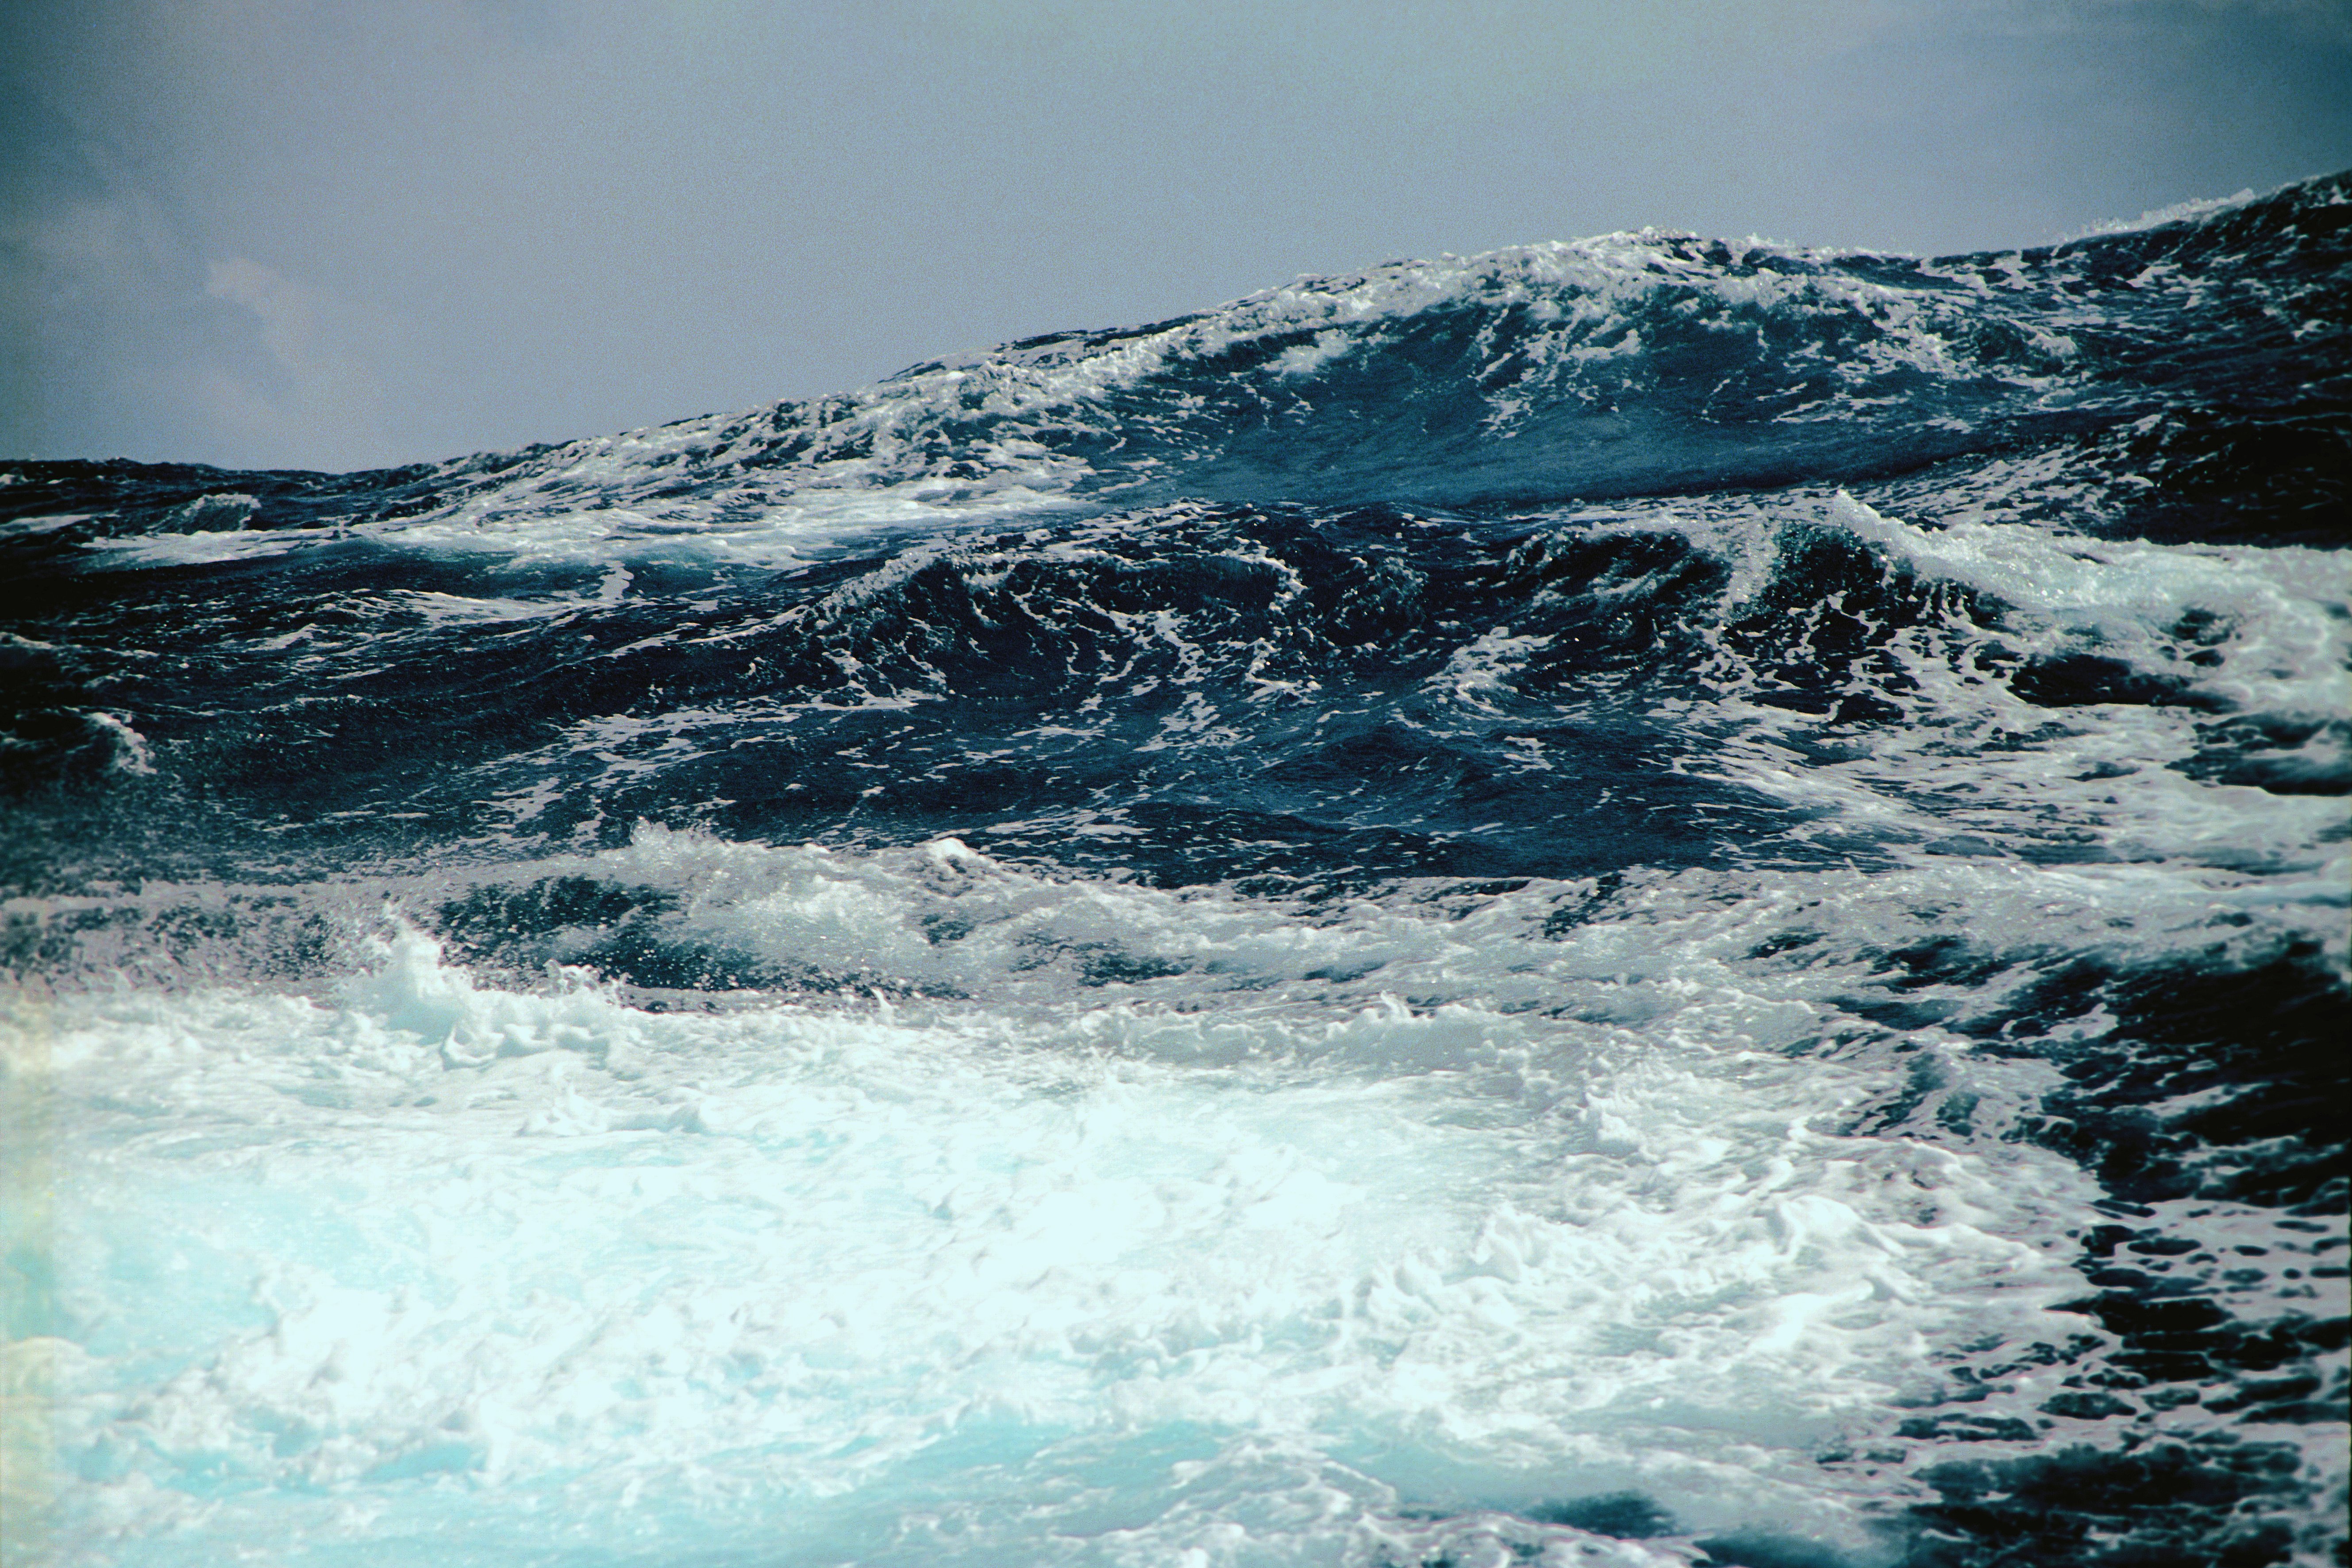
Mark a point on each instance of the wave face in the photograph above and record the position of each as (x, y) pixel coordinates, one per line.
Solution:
(1637, 902)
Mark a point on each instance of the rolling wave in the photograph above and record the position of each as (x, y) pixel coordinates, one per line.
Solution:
(1644, 900)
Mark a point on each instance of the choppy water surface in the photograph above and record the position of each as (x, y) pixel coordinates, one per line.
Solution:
(1638, 902)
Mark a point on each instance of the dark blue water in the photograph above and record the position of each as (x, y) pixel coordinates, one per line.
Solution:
(1638, 901)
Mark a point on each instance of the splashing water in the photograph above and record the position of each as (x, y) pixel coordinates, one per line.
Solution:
(1638, 902)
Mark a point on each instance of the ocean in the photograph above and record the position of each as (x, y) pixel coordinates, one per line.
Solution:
(1649, 901)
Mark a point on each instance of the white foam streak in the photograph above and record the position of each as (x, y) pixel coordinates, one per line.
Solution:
(1978, 768)
(466, 1250)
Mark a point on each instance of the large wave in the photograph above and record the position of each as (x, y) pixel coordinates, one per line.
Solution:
(1644, 900)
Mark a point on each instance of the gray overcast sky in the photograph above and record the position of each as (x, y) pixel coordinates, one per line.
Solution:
(339, 233)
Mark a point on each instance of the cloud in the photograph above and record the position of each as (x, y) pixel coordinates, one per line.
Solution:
(1432, 59)
(2329, 21)
(321, 397)
(2326, 22)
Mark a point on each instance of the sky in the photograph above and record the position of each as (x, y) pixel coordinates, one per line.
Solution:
(340, 233)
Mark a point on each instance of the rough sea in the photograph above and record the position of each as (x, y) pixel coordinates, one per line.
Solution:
(1650, 901)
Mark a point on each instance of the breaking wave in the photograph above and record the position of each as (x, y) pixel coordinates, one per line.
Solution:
(1642, 901)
